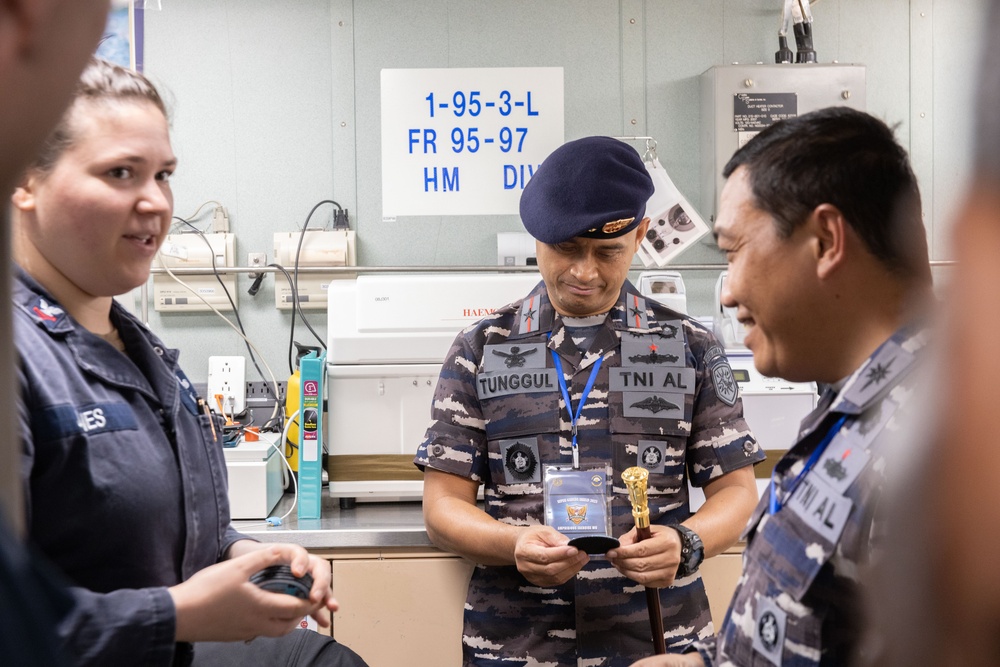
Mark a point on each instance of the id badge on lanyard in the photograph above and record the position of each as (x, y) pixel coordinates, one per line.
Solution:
(576, 501)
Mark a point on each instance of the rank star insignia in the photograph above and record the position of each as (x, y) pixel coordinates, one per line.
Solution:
(529, 315)
(635, 312)
(655, 404)
(516, 358)
(877, 374)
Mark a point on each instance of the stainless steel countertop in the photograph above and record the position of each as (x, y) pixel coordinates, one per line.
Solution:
(367, 525)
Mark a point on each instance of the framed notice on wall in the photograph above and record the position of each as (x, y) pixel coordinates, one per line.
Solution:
(464, 141)
(121, 42)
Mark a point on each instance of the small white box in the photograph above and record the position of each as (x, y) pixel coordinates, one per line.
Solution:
(255, 485)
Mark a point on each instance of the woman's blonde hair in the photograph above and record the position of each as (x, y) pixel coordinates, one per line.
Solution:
(101, 81)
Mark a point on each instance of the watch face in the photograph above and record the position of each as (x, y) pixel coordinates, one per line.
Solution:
(692, 551)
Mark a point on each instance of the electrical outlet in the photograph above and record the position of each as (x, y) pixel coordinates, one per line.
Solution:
(227, 376)
(259, 395)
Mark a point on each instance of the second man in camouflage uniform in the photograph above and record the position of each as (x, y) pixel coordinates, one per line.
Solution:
(828, 270)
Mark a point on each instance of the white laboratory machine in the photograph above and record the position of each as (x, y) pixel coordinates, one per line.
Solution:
(516, 249)
(388, 336)
(255, 479)
(666, 287)
(773, 408)
(727, 328)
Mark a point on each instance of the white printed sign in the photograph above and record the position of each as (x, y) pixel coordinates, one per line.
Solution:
(464, 141)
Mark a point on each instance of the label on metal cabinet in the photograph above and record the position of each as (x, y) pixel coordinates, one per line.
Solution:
(758, 111)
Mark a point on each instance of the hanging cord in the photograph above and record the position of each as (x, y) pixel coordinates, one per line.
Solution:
(784, 54)
(241, 330)
(296, 305)
(803, 29)
(272, 386)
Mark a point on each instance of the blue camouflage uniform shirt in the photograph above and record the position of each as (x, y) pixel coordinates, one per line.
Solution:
(798, 602)
(125, 484)
(664, 398)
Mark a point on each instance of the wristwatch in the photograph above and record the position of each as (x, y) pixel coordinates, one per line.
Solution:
(692, 551)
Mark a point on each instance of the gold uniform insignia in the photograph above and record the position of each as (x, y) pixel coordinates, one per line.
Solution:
(616, 225)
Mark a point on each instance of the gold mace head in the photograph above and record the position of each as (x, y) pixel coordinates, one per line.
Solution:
(635, 479)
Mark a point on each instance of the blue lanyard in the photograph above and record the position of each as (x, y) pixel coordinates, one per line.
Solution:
(775, 504)
(574, 418)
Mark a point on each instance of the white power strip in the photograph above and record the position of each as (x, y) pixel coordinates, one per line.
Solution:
(227, 377)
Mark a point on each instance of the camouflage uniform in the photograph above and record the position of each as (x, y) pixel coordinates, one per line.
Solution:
(798, 603)
(498, 417)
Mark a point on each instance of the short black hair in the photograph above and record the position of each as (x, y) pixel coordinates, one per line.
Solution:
(846, 158)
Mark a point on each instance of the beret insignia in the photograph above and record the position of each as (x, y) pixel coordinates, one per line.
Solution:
(616, 225)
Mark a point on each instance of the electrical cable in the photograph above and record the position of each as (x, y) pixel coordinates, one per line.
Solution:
(291, 336)
(803, 20)
(784, 54)
(295, 272)
(286, 470)
(195, 214)
(236, 312)
(274, 382)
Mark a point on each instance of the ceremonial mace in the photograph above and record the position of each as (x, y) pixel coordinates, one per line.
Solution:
(635, 479)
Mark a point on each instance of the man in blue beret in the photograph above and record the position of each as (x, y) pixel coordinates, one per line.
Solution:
(583, 379)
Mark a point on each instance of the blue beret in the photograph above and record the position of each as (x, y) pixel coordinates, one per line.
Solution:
(595, 187)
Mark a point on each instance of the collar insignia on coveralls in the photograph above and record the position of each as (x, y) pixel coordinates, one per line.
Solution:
(46, 312)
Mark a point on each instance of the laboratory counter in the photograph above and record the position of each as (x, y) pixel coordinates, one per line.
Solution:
(366, 525)
(386, 575)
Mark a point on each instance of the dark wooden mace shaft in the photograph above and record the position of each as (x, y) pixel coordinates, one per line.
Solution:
(653, 604)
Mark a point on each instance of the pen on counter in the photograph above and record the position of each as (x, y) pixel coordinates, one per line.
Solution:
(208, 413)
